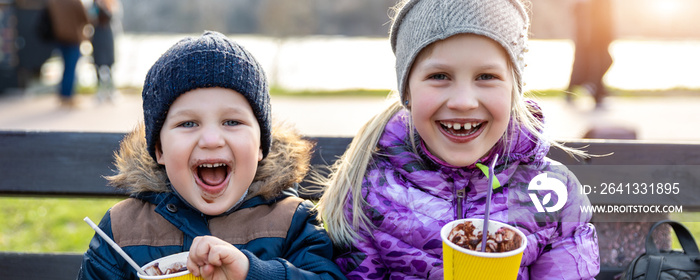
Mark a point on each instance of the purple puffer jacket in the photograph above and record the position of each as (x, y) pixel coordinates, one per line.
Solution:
(411, 196)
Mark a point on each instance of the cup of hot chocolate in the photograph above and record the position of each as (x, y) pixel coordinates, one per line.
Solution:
(462, 250)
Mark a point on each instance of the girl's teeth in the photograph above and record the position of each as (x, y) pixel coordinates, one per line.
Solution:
(458, 126)
(210, 165)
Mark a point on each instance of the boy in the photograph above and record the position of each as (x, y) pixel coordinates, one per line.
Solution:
(207, 175)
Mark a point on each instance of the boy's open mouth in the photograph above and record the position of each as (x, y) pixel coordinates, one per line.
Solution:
(212, 176)
(460, 129)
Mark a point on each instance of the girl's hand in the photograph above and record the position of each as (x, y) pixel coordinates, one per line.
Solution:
(213, 258)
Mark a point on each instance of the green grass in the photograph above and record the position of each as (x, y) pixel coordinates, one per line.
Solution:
(691, 221)
(557, 93)
(56, 224)
(48, 224)
(275, 91)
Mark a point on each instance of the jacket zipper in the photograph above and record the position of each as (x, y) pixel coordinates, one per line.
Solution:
(460, 201)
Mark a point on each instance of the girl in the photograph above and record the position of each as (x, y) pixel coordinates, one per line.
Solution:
(422, 162)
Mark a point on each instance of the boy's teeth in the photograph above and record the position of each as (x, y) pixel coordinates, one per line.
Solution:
(458, 126)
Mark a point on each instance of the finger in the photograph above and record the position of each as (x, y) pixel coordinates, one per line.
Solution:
(207, 271)
(194, 256)
(224, 254)
(199, 251)
(193, 267)
(229, 260)
(215, 255)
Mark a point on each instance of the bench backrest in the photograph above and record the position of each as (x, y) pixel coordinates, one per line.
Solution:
(72, 164)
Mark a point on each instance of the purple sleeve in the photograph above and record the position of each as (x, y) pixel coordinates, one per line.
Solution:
(573, 254)
(362, 261)
(573, 257)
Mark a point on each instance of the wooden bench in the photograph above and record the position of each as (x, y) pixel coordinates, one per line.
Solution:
(71, 164)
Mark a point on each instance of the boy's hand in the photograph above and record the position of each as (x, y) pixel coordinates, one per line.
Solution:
(213, 258)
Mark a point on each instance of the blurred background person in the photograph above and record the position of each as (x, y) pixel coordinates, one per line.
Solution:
(68, 21)
(593, 34)
(104, 19)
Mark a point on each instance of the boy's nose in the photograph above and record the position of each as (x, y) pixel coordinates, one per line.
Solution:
(211, 138)
(462, 98)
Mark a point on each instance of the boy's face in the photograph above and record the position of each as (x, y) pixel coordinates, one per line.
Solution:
(460, 95)
(210, 147)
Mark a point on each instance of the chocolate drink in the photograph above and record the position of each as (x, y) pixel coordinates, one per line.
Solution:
(466, 236)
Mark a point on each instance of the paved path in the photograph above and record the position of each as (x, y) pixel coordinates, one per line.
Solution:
(671, 118)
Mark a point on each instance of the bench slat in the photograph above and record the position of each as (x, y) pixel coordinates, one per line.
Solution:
(36, 266)
(63, 266)
(57, 163)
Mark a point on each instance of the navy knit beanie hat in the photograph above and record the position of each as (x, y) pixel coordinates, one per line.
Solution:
(211, 60)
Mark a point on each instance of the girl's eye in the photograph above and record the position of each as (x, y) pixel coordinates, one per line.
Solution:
(486, 77)
(439, 76)
(188, 124)
(231, 123)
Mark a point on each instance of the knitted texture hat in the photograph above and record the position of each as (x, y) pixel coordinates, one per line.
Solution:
(421, 22)
(211, 60)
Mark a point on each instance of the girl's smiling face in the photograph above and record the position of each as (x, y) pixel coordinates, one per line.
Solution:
(210, 147)
(460, 97)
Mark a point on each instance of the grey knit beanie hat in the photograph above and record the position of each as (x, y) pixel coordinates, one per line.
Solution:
(211, 60)
(421, 22)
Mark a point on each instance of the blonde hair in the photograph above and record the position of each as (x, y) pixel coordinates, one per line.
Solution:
(346, 178)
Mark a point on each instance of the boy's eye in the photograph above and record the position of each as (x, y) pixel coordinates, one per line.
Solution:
(439, 76)
(188, 124)
(231, 123)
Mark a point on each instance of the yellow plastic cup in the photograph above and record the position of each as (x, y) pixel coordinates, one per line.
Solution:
(461, 263)
(167, 261)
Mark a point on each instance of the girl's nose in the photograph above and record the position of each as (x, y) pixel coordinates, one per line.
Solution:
(463, 98)
(211, 137)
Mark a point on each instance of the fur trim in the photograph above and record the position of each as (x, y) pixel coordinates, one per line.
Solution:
(287, 163)
(136, 169)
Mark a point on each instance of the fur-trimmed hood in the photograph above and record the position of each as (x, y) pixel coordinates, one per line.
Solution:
(286, 164)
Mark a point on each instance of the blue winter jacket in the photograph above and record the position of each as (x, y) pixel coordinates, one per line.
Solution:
(273, 227)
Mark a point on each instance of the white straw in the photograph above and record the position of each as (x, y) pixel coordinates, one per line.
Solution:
(114, 245)
(485, 226)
